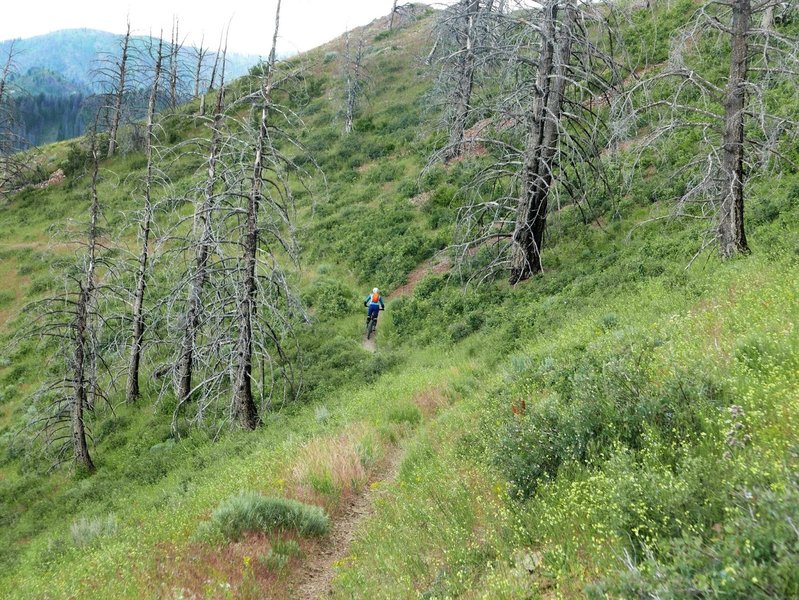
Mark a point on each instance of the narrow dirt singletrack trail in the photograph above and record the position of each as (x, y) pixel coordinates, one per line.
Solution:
(315, 578)
(370, 345)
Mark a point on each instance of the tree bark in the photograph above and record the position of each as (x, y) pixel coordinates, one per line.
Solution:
(542, 142)
(732, 237)
(244, 408)
(132, 388)
(767, 21)
(465, 80)
(120, 95)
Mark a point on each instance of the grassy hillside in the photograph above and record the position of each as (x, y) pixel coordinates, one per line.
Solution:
(624, 425)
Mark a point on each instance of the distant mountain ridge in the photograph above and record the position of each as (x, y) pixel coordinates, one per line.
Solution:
(55, 73)
(74, 55)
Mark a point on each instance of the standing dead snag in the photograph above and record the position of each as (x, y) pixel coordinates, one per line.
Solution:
(732, 238)
(174, 64)
(83, 356)
(244, 408)
(73, 321)
(121, 73)
(461, 95)
(542, 141)
(354, 73)
(541, 130)
(132, 389)
(204, 232)
(10, 143)
(391, 18)
(740, 129)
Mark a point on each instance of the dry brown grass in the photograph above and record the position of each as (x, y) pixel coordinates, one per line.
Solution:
(333, 469)
(431, 400)
(235, 570)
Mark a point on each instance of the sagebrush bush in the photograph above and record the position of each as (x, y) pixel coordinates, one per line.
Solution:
(252, 512)
(85, 531)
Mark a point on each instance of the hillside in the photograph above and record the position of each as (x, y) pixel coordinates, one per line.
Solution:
(623, 425)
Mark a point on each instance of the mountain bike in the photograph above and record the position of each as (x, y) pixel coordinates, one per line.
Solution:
(371, 323)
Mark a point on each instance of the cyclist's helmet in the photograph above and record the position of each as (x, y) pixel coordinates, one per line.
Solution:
(375, 291)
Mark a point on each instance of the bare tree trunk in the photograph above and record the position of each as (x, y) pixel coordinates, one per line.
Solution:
(462, 96)
(542, 142)
(120, 96)
(132, 391)
(173, 66)
(391, 18)
(767, 21)
(80, 331)
(732, 238)
(198, 69)
(202, 223)
(432, 52)
(354, 80)
(243, 404)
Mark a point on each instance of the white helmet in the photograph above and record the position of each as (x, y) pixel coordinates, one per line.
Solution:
(375, 291)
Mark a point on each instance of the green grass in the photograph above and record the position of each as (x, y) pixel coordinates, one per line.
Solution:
(658, 392)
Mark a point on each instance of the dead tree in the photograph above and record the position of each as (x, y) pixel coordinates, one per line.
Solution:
(119, 96)
(244, 408)
(83, 358)
(199, 54)
(175, 48)
(465, 64)
(145, 226)
(542, 140)
(391, 17)
(212, 78)
(732, 237)
(740, 133)
(355, 78)
(11, 166)
(204, 239)
(462, 36)
(74, 321)
(542, 131)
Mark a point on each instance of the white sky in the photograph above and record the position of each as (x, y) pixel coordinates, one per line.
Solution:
(304, 24)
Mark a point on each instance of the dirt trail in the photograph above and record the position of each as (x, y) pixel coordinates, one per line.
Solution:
(434, 265)
(370, 345)
(315, 578)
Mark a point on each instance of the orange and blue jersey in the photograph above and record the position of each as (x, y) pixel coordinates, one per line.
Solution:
(374, 302)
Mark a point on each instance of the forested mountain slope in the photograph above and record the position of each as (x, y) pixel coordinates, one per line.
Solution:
(58, 76)
(624, 423)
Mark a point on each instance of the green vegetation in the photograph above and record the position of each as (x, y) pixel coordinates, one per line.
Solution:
(252, 512)
(625, 425)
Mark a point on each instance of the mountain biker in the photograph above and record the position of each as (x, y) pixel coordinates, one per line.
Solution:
(374, 302)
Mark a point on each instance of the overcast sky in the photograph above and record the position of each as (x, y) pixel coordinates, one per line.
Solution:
(304, 24)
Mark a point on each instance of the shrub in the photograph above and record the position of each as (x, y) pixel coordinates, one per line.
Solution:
(251, 512)
(754, 555)
(591, 404)
(85, 531)
(330, 298)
